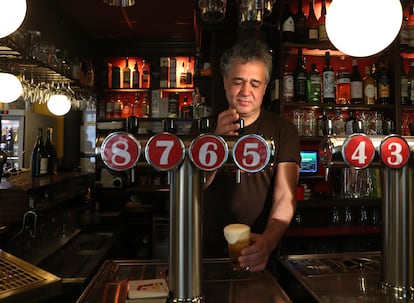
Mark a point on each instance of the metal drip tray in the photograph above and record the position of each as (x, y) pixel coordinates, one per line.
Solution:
(336, 264)
(339, 278)
(22, 282)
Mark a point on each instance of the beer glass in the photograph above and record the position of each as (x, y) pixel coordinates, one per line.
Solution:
(237, 237)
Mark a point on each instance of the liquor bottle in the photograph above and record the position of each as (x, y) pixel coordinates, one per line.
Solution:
(349, 124)
(185, 109)
(338, 123)
(51, 153)
(404, 25)
(314, 84)
(322, 34)
(145, 81)
(145, 106)
(300, 79)
(312, 24)
(328, 81)
(288, 23)
(126, 109)
(9, 139)
(323, 124)
(288, 83)
(173, 105)
(404, 89)
(343, 83)
(411, 84)
(383, 83)
(183, 75)
(188, 73)
(356, 84)
(369, 87)
(118, 106)
(116, 77)
(126, 73)
(135, 76)
(410, 23)
(136, 107)
(301, 31)
(39, 159)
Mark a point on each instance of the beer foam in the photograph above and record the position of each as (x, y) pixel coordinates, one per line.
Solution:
(236, 232)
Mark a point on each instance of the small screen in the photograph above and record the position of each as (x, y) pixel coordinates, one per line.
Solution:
(309, 162)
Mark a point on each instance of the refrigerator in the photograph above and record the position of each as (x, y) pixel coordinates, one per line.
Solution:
(19, 134)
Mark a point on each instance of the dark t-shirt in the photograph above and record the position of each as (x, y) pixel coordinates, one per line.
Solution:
(249, 201)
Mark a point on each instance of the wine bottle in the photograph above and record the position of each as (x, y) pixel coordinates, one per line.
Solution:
(288, 91)
(39, 159)
(288, 23)
(312, 24)
(188, 73)
(343, 83)
(145, 82)
(145, 106)
(328, 81)
(135, 76)
(127, 109)
(404, 89)
(136, 107)
(314, 84)
(369, 87)
(300, 78)
(322, 34)
(356, 84)
(126, 72)
(383, 83)
(51, 153)
(301, 31)
(411, 84)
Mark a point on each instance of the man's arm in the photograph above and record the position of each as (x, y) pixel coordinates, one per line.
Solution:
(256, 256)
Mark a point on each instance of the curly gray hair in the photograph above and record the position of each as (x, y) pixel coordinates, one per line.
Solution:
(247, 50)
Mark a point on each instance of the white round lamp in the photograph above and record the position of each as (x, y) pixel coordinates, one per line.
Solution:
(10, 88)
(362, 28)
(58, 105)
(12, 14)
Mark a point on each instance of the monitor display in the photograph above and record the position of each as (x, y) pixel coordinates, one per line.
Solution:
(309, 162)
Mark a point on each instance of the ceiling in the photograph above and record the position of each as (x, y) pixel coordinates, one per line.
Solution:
(154, 20)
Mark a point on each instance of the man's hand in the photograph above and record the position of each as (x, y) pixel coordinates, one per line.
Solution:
(225, 123)
(255, 257)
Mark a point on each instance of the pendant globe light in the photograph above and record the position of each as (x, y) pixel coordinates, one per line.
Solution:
(59, 104)
(10, 88)
(12, 14)
(362, 28)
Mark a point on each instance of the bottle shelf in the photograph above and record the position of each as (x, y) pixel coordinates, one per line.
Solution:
(315, 105)
(329, 202)
(332, 231)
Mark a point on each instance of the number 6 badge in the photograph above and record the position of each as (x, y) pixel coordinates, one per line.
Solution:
(208, 152)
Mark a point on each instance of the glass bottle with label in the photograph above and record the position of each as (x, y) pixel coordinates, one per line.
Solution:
(188, 73)
(39, 158)
(145, 82)
(312, 24)
(136, 107)
(368, 87)
(343, 83)
(288, 23)
(328, 81)
(300, 78)
(314, 84)
(51, 153)
(322, 34)
(404, 89)
(126, 109)
(356, 84)
(118, 106)
(145, 106)
(288, 83)
(135, 76)
(301, 31)
(349, 124)
(383, 83)
(173, 105)
(126, 73)
(411, 84)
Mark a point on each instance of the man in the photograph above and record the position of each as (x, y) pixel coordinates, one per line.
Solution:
(265, 200)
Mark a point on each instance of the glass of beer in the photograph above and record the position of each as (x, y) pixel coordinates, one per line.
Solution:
(237, 237)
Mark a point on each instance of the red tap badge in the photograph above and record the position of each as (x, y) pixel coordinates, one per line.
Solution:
(358, 151)
(395, 151)
(208, 152)
(164, 151)
(251, 153)
(120, 151)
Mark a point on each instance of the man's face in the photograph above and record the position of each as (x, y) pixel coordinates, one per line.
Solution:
(245, 86)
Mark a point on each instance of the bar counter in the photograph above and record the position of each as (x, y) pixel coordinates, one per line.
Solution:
(220, 284)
